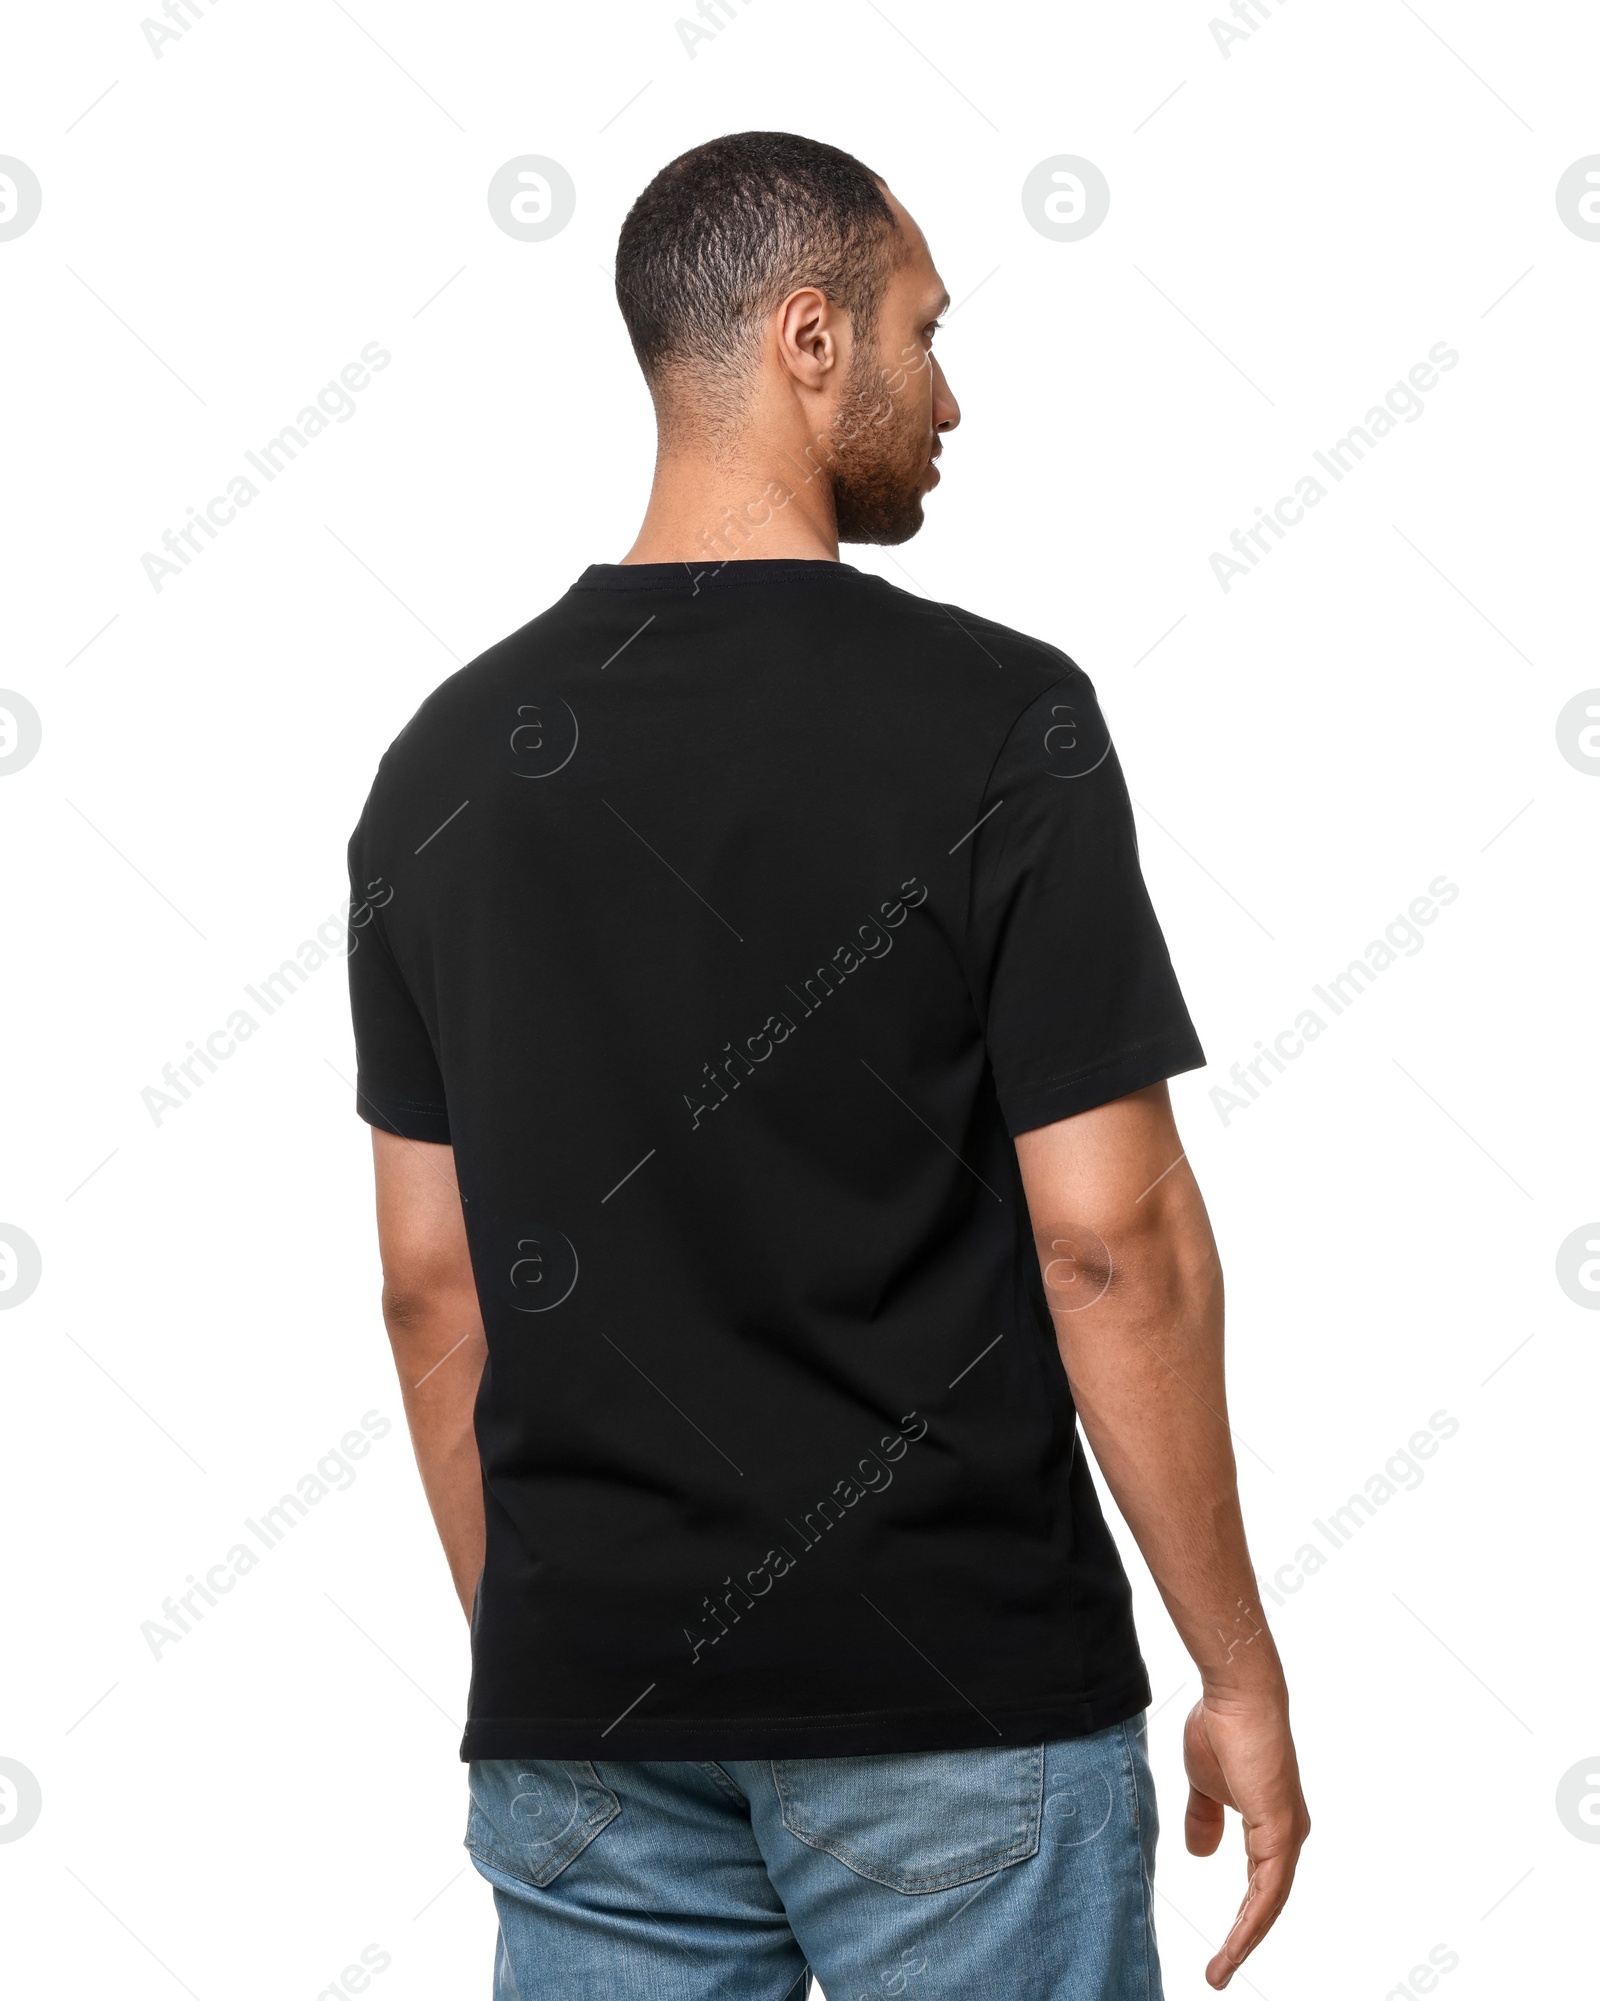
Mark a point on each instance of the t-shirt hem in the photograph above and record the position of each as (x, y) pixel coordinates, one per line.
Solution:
(829, 1736)
(1146, 1063)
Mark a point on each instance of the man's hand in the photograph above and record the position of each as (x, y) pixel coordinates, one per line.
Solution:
(1238, 1752)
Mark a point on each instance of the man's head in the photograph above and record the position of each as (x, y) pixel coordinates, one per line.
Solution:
(776, 293)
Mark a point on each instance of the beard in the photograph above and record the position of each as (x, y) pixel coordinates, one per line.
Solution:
(881, 452)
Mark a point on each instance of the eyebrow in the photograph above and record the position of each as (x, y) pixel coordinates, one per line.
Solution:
(943, 305)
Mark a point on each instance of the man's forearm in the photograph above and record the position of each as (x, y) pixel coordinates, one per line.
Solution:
(1145, 1362)
(439, 1353)
(1135, 1290)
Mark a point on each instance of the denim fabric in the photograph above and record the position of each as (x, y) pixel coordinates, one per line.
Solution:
(932, 1875)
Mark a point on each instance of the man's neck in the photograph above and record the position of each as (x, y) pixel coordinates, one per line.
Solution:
(766, 502)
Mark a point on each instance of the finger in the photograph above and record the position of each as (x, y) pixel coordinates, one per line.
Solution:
(1200, 1760)
(1203, 1823)
(1265, 1898)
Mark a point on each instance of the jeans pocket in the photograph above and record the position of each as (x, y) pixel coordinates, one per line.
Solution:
(917, 1820)
(531, 1816)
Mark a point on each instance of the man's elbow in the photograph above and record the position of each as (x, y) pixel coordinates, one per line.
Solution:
(417, 1303)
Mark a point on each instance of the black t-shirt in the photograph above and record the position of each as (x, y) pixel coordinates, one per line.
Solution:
(728, 923)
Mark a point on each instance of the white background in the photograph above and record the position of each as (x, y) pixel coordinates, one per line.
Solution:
(1292, 226)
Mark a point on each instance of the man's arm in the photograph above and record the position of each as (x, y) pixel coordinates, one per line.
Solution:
(430, 1307)
(1135, 1291)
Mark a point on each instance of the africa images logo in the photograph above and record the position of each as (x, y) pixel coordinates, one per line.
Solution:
(871, 941)
(871, 1474)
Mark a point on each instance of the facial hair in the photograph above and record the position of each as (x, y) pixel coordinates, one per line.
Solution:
(881, 450)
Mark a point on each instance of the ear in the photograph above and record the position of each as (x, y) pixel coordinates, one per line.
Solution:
(812, 336)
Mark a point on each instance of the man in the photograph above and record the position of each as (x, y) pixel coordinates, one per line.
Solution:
(748, 950)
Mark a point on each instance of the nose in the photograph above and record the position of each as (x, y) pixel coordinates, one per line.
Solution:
(946, 410)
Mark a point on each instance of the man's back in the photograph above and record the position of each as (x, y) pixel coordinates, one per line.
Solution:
(728, 923)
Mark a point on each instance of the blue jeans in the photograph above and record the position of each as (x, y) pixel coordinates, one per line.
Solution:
(934, 1875)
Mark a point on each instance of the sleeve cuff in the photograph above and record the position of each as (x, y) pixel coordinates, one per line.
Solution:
(407, 1118)
(1029, 1105)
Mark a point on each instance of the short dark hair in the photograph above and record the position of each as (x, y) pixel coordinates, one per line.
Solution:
(729, 229)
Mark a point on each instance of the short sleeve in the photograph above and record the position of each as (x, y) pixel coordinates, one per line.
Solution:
(398, 1085)
(1072, 976)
